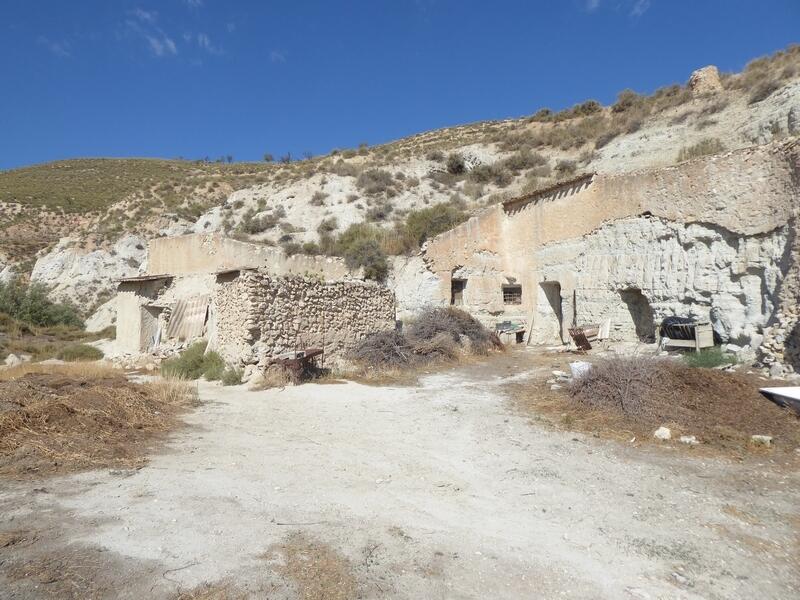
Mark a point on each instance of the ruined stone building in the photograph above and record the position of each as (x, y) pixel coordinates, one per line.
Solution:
(713, 238)
(247, 300)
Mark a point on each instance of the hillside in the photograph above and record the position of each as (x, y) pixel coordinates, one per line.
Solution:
(99, 204)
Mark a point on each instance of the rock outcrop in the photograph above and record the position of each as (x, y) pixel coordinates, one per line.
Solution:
(82, 278)
(705, 81)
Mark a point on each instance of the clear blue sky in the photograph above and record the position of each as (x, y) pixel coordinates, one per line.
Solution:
(198, 78)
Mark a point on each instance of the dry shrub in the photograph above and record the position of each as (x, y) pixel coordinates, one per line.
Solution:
(722, 409)
(274, 376)
(437, 335)
(55, 422)
(383, 348)
(455, 323)
(82, 370)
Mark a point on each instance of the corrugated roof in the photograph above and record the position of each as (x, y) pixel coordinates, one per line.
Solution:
(188, 318)
(144, 278)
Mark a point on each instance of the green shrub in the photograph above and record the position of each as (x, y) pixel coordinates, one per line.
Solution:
(435, 155)
(455, 164)
(524, 159)
(424, 224)
(368, 254)
(708, 358)
(193, 363)
(327, 225)
(232, 376)
(213, 366)
(566, 168)
(79, 352)
(701, 148)
(626, 100)
(318, 199)
(31, 305)
(376, 181)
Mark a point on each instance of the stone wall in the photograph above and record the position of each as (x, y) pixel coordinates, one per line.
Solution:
(257, 315)
(210, 253)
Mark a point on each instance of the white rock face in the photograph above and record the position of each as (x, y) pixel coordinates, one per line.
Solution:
(81, 277)
(693, 270)
(7, 273)
(104, 316)
(414, 286)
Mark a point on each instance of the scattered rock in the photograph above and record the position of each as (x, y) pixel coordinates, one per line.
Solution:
(705, 81)
(555, 386)
(689, 439)
(681, 579)
(733, 348)
(663, 433)
(561, 374)
(776, 370)
(13, 360)
(761, 440)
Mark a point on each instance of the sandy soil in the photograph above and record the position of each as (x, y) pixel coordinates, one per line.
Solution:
(438, 490)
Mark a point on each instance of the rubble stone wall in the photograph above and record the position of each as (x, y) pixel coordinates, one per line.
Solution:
(257, 315)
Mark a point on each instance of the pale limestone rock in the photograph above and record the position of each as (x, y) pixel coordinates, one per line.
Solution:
(662, 433)
(689, 440)
(705, 81)
(761, 440)
(81, 277)
(12, 360)
(105, 316)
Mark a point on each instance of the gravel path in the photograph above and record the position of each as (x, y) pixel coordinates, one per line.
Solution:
(433, 491)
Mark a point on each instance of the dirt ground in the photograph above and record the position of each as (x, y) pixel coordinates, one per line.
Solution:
(443, 489)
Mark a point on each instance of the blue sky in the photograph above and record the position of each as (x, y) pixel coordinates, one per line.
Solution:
(197, 78)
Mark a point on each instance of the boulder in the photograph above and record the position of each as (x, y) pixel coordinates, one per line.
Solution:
(705, 81)
(761, 440)
(689, 440)
(662, 433)
(12, 360)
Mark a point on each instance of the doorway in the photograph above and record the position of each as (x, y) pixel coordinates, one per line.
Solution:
(642, 324)
(549, 319)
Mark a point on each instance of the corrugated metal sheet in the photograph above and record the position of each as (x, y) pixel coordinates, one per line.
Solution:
(188, 318)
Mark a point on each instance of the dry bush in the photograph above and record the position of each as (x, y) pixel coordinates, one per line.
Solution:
(384, 348)
(274, 376)
(456, 324)
(722, 409)
(620, 384)
(440, 348)
(704, 147)
(82, 370)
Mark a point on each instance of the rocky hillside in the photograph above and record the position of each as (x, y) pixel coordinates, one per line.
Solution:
(75, 225)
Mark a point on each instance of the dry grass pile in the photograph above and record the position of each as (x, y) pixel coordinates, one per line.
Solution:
(437, 335)
(720, 408)
(82, 418)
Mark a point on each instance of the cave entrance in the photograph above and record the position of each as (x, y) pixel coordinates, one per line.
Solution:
(642, 324)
